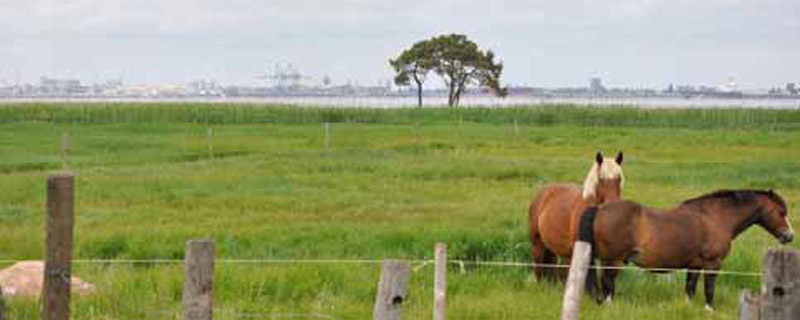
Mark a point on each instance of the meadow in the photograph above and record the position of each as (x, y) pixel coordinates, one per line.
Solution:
(264, 182)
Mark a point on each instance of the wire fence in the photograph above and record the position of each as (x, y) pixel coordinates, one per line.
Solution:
(246, 297)
(420, 263)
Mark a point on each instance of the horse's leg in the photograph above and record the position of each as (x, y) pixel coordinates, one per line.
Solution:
(692, 275)
(591, 280)
(708, 282)
(541, 256)
(709, 279)
(539, 253)
(609, 279)
(562, 271)
(550, 259)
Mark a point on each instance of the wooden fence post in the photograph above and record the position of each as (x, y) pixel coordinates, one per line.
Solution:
(516, 127)
(749, 306)
(197, 286)
(2, 305)
(327, 135)
(210, 142)
(780, 289)
(66, 149)
(440, 282)
(391, 291)
(58, 255)
(581, 253)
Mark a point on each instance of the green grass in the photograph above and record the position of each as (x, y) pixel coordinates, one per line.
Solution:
(387, 188)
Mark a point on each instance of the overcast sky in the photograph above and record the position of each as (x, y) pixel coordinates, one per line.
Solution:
(542, 43)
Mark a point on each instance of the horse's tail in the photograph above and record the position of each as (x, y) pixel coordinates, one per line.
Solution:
(586, 234)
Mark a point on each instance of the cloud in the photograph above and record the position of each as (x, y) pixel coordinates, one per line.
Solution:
(546, 42)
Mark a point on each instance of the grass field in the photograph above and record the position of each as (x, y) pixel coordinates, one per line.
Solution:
(391, 185)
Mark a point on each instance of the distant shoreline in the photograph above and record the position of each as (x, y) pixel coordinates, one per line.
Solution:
(470, 101)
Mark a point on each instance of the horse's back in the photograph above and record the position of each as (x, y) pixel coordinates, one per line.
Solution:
(558, 189)
(558, 193)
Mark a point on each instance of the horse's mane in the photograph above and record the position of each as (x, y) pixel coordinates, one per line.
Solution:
(738, 196)
(609, 169)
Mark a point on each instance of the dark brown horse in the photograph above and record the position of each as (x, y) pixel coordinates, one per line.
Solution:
(696, 235)
(555, 212)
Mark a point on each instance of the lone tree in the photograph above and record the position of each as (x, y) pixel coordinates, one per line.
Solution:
(414, 63)
(454, 58)
(460, 63)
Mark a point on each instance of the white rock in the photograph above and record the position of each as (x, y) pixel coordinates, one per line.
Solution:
(26, 279)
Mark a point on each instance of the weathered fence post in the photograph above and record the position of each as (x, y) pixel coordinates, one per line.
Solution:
(391, 291)
(327, 139)
(210, 141)
(2, 305)
(516, 127)
(197, 286)
(440, 282)
(58, 255)
(749, 306)
(780, 289)
(581, 253)
(66, 149)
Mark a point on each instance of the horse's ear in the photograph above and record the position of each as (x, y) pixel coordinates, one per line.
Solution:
(599, 158)
(771, 192)
(619, 158)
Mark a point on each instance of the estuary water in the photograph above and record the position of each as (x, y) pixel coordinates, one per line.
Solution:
(470, 101)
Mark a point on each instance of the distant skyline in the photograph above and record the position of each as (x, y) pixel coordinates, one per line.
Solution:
(645, 43)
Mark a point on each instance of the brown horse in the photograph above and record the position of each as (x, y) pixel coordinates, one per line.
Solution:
(696, 235)
(555, 211)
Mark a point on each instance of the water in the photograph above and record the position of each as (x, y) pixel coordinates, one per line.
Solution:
(396, 102)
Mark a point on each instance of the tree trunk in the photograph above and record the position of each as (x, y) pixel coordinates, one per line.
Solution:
(419, 94)
(457, 96)
(419, 90)
(457, 93)
(458, 88)
(451, 95)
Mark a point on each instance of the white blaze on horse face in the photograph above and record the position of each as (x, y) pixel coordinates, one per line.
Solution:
(609, 169)
(789, 223)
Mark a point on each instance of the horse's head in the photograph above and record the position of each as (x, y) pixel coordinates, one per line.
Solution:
(604, 181)
(774, 216)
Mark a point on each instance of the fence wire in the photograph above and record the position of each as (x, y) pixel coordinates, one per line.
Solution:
(417, 306)
(421, 263)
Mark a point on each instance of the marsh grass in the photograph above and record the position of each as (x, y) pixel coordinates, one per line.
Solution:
(386, 188)
(544, 115)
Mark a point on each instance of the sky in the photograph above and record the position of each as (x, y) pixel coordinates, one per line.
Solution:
(628, 43)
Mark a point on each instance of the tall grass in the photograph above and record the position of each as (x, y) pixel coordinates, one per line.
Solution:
(214, 113)
(388, 189)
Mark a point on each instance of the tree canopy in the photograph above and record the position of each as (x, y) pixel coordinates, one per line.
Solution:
(413, 63)
(456, 59)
